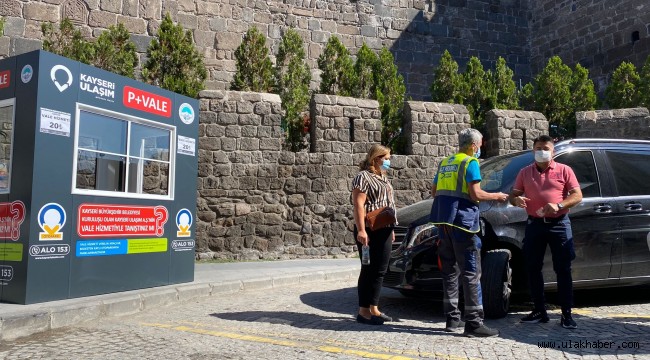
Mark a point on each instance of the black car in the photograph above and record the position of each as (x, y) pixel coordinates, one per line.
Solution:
(611, 226)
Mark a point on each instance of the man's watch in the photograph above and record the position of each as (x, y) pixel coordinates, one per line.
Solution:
(560, 206)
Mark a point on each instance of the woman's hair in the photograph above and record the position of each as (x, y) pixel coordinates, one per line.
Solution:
(375, 151)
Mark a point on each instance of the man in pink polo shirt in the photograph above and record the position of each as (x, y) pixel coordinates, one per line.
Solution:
(547, 189)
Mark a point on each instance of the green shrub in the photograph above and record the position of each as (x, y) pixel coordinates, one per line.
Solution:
(115, 52)
(583, 95)
(503, 90)
(622, 91)
(527, 97)
(2, 25)
(254, 66)
(337, 69)
(173, 63)
(390, 93)
(364, 78)
(67, 41)
(474, 90)
(292, 76)
(553, 96)
(447, 82)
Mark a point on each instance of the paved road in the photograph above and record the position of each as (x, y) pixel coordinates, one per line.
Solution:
(315, 321)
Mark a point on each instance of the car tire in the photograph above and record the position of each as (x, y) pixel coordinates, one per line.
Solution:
(496, 283)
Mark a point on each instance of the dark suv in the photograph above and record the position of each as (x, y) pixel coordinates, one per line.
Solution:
(611, 226)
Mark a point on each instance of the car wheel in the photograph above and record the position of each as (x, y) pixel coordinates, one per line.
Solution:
(496, 283)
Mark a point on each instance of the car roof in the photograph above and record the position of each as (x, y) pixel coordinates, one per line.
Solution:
(602, 143)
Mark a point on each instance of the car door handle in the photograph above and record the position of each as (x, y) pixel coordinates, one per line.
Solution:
(603, 208)
(633, 206)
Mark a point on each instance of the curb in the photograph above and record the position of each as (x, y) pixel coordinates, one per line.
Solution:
(61, 314)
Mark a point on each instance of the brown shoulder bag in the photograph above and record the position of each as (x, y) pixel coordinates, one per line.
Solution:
(380, 218)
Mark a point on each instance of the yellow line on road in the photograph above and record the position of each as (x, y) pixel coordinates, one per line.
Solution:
(304, 344)
(610, 315)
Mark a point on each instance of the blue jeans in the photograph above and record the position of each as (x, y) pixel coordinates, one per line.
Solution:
(558, 236)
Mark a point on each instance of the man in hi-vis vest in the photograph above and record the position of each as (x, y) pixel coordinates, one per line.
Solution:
(456, 190)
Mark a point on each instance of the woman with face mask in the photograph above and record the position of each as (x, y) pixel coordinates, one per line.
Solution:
(547, 189)
(372, 191)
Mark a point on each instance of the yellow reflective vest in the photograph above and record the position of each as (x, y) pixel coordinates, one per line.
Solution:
(451, 176)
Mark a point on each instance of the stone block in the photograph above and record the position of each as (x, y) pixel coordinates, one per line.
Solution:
(113, 6)
(204, 38)
(14, 27)
(133, 25)
(10, 8)
(141, 42)
(21, 45)
(151, 9)
(218, 24)
(102, 19)
(41, 12)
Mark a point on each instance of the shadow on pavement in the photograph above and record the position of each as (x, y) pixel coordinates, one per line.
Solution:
(321, 322)
(345, 301)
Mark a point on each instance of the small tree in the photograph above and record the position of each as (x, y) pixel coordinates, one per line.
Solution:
(67, 41)
(553, 95)
(474, 88)
(115, 52)
(503, 92)
(292, 84)
(527, 97)
(622, 91)
(447, 82)
(173, 62)
(254, 66)
(583, 95)
(337, 69)
(390, 92)
(644, 84)
(364, 79)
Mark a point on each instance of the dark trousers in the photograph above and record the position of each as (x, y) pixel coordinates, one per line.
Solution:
(460, 256)
(558, 236)
(372, 275)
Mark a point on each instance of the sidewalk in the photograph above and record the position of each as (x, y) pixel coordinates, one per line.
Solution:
(209, 280)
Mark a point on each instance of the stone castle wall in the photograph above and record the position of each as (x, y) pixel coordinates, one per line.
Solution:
(416, 31)
(256, 200)
(618, 124)
(597, 34)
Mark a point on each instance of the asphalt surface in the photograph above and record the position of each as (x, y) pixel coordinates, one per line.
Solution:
(210, 280)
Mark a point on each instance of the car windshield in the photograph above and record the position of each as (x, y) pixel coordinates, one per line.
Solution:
(498, 174)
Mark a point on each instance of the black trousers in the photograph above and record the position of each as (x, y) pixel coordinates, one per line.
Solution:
(460, 256)
(372, 275)
(557, 235)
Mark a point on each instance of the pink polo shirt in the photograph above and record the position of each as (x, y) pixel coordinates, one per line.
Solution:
(550, 186)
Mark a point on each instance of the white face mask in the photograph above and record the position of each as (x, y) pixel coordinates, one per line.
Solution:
(542, 156)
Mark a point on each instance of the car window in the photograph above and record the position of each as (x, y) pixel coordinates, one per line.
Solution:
(582, 163)
(499, 174)
(631, 170)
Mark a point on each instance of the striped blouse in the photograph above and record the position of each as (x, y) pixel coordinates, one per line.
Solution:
(378, 190)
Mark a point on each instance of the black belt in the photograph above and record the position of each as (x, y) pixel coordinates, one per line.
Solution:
(547, 220)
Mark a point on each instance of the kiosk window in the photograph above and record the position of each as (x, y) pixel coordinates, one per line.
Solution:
(117, 155)
(6, 142)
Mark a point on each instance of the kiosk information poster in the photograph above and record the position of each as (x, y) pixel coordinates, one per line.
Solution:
(97, 181)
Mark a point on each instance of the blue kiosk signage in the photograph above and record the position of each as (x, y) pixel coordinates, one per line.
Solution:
(97, 181)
